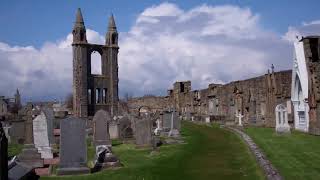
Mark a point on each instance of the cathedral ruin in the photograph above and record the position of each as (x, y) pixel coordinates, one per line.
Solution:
(92, 92)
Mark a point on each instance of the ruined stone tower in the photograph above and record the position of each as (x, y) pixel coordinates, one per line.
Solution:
(92, 92)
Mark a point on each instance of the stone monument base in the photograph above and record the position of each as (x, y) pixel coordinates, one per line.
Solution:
(73, 171)
(110, 161)
(46, 152)
(30, 156)
(174, 133)
(283, 129)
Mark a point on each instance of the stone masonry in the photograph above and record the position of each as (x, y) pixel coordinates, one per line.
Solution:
(92, 92)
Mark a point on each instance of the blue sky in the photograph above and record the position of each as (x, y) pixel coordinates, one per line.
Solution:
(36, 21)
(160, 42)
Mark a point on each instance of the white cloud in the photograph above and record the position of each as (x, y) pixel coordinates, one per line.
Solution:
(306, 29)
(206, 44)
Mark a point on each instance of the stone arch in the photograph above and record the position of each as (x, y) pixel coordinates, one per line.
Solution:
(95, 62)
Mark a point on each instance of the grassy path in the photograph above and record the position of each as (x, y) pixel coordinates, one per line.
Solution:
(210, 153)
(296, 156)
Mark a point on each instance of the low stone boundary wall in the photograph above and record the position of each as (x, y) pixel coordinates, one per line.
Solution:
(270, 171)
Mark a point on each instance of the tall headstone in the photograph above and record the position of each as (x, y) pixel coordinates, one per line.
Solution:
(49, 113)
(175, 125)
(30, 155)
(282, 125)
(3, 154)
(101, 121)
(102, 141)
(143, 133)
(73, 148)
(41, 133)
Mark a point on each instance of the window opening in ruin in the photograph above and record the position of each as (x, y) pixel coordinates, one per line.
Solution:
(96, 66)
(89, 96)
(98, 96)
(104, 95)
(181, 87)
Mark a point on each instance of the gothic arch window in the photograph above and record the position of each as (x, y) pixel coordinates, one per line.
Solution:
(96, 63)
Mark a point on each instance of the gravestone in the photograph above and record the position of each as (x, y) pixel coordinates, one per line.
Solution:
(159, 127)
(282, 125)
(101, 128)
(73, 148)
(175, 125)
(49, 113)
(30, 155)
(114, 129)
(125, 128)
(41, 136)
(3, 154)
(239, 116)
(102, 141)
(166, 121)
(143, 133)
(6, 130)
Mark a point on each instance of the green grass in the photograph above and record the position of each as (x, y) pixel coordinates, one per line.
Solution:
(209, 153)
(14, 149)
(296, 156)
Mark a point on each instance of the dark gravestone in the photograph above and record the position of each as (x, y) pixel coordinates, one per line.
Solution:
(104, 156)
(101, 128)
(126, 131)
(22, 172)
(73, 148)
(3, 154)
(143, 133)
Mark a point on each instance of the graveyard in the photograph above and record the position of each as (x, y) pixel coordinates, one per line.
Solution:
(211, 113)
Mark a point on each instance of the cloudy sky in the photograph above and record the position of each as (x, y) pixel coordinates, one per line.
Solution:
(160, 42)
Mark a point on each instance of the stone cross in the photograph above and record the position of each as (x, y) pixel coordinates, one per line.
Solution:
(3, 154)
(240, 116)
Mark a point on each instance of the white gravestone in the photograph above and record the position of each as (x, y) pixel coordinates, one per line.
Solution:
(282, 125)
(240, 116)
(40, 136)
(159, 127)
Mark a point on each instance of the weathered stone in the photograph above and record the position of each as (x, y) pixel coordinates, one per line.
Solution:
(73, 149)
(143, 133)
(93, 92)
(30, 155)
(282, 125)
(41, 133)
(101, 128)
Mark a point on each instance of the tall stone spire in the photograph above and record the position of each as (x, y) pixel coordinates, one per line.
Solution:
(112, 24)
(79, 30)
(112, 34)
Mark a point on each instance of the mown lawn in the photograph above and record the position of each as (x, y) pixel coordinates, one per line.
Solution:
(14, 149)
(296, 156)
(209, 153)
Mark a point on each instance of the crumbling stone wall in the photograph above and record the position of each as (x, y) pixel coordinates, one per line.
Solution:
(255, 98)
(312, 56)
